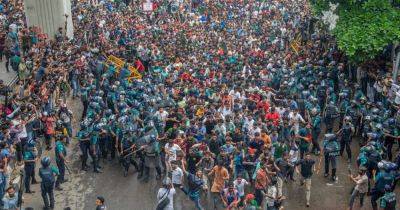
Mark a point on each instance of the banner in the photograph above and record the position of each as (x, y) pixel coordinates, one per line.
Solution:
(148, 6)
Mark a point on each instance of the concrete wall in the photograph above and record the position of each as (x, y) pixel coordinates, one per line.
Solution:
(49, 15)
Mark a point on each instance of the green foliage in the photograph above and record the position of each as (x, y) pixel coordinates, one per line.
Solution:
(365, 27)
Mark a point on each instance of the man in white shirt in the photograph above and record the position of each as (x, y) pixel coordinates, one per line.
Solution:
(177, 175)
(271, 195)
(239, 184)
(167, 190)
(170, 153)
(295, 118)
(162, 114)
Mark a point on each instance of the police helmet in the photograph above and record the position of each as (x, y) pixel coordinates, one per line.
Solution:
(375, 111)
(108, 112)
(378, 126)
(391, 122)
(45, 161)
(330, 136)
(314, 111)
(153, 138)
(372, 135)
(100, 93)
(83, 125)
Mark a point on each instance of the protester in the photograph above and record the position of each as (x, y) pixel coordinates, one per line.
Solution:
(360, 189)
(10, 199)
(100, 203)
(166, 192)
(307, 167)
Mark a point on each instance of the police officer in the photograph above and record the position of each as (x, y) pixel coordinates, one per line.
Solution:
(346, 133)
(353, 113)
(331, 113)
(47, 173)
(331, 151)
(383, 178)
(152, 157)
(112, 135)
(61, 154)
(391, 135)
(93, 146)
(84, 144)
(126, 154)
(388, 200)
(316, 130)
(29, 160)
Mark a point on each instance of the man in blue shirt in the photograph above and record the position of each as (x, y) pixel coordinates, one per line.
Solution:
(195, 183)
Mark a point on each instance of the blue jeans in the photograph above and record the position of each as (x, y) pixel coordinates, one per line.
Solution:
(75, 87)
(194, 196)
(2, 187)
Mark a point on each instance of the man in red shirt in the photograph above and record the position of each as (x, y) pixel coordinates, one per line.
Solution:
(273, 116)
(264, 105)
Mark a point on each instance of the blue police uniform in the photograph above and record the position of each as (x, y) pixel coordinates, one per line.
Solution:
(47, 185)
(60, 150)
(29, 159)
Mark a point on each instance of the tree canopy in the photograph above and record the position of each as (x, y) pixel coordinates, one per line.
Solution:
(364, 27)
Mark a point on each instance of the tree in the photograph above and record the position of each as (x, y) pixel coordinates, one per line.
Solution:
(364, 27)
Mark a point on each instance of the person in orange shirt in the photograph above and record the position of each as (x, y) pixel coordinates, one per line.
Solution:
(267, 140)
(261, 183)
(221, 175)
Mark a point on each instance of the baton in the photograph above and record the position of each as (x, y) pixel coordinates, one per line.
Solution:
(130, 153)
(349, 169)
(67, 167)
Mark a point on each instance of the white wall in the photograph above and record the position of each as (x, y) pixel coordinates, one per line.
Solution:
(49, 15)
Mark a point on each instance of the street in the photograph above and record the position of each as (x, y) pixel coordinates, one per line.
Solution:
(121, 192)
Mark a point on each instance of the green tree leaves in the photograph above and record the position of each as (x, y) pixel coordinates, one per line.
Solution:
(365, 27)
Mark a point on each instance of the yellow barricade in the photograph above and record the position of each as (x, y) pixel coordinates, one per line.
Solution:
(119, 63)
(134, 73)
(116, 61)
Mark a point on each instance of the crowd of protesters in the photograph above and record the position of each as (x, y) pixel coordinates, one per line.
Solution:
(235, 99)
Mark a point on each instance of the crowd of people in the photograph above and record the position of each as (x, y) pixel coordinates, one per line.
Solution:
(233, 101)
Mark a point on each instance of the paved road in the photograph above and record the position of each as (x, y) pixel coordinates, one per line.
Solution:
(129, 193)
(4, 75)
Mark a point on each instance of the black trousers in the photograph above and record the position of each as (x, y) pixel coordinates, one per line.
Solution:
(29, 175)
(345, 144)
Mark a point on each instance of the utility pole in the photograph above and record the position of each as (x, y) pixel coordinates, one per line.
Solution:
(396, 62)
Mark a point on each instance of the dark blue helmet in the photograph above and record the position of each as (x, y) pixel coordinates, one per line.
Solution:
(45, 161)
